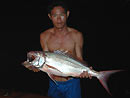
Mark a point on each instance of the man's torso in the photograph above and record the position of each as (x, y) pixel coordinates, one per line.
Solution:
(64, 43)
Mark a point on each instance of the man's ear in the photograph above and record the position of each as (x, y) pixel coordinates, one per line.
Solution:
(68, 13)
(49, 16)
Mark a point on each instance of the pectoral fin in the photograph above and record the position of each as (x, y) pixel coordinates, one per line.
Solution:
(53, 68)
(52, 77)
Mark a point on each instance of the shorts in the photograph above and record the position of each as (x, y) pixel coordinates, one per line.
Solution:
(65, 89)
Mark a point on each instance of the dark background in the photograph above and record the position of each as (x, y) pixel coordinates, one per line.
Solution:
(105, 26)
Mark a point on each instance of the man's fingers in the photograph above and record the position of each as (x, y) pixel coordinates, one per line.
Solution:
(91, 67)
(90, 77)
(85, 74)
(30, 67)
(82, 75)
(36, 70)
(33, 68)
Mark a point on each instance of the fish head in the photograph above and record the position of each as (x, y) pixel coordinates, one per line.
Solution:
(35, 58)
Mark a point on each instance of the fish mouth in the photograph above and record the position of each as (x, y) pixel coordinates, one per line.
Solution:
(35, 58)
(31, 57)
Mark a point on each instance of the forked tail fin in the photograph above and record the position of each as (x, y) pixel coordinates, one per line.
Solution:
(103, 77)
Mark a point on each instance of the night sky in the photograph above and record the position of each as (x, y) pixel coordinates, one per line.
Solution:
(105, 26)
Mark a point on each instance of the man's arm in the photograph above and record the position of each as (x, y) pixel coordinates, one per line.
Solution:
(78, 49)
(79, 45)
(43, 40)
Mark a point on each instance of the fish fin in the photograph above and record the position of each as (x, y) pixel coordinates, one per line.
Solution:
(103, 77)
(51, 76)
(65, 53)
(60, 51)
(53, 68)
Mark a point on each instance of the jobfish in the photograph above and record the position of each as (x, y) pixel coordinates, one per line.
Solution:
(61, 64)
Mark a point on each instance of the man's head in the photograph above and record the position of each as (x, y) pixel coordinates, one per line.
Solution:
(56, 3)
(58, 13)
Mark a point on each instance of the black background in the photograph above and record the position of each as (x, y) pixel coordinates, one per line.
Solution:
(105, 26)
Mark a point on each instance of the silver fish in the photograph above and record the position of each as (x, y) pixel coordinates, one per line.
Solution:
(61, 64)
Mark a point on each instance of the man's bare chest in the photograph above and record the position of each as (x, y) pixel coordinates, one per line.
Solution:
(55, 43)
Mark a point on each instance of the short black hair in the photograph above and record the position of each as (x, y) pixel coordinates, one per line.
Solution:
(55, 3)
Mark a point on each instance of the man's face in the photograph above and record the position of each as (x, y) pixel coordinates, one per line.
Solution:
(58, 17)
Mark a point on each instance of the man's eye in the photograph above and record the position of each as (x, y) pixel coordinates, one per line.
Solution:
(54, 15)
(62, 15)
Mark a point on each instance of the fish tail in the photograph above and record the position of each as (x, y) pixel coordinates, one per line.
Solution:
(103, 77)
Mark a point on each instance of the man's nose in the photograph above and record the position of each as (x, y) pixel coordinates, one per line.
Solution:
(59, 19)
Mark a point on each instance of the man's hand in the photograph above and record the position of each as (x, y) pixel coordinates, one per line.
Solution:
(85, 74)
(33, 68)
(30, 67)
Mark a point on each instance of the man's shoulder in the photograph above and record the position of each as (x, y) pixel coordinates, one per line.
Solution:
(76, 35)
(75, 31)
(46, 32)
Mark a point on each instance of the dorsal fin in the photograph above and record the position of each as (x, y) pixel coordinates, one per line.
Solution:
(60, 51)
(70, 56)
(65, 53)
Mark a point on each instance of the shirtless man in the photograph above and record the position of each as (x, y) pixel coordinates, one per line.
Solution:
(61, 37)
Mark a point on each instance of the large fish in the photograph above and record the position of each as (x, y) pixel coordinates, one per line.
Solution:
(61, 64)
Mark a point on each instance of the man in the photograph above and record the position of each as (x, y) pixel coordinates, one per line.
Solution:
(61, 37)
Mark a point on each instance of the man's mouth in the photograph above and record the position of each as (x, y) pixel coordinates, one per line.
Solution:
(59, 23)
